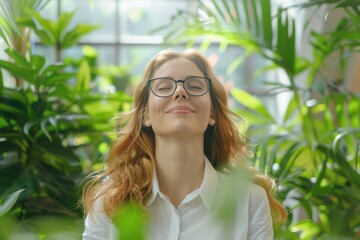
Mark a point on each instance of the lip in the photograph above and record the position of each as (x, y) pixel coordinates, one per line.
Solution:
(180, 110)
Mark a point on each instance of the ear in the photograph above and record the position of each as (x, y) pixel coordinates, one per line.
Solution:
(147, 122)
(211, 121)
(145, 118)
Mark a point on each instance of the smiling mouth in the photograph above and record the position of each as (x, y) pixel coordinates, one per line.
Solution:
(180, 110)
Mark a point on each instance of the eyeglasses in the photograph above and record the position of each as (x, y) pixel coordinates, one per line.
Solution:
(166, 86)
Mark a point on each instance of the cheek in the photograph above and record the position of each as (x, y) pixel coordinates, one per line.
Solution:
(207, 106)
(155, 106)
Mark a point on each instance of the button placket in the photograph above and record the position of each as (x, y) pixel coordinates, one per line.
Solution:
(175, 225)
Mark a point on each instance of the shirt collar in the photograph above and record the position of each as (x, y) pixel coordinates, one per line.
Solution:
(207, 188)
(155, 188)
(209, 185)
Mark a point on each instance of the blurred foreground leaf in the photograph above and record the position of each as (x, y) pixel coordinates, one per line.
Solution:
(7, 203)
(130, 222)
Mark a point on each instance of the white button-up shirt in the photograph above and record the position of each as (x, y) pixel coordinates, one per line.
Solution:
(221, 208)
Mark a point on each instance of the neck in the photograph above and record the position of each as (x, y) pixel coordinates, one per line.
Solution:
(180, 166)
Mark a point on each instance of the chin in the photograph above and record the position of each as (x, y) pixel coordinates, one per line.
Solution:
(179, 132)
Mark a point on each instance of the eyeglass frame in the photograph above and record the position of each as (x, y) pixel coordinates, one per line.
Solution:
(148, 82)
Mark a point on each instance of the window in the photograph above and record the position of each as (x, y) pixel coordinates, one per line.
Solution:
(125, 37)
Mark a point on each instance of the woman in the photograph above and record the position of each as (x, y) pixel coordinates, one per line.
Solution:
(173, 156)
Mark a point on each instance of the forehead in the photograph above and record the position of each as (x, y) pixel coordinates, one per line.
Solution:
(178, 68)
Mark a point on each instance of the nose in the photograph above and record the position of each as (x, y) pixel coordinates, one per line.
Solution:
(180, 92)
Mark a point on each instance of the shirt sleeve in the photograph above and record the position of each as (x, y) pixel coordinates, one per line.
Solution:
(260, 221)
(97, 224)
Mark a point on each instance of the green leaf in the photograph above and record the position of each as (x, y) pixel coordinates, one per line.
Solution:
(59, 184)
(130, 222)
(26, 22)
(44, 23)
(13, 110)
(15, 70)
(57, 78)
(15, 177)
(266, 22)
(1, 82)
(348, 3)
(308, 229)
(58, 156)
(62, 24)
(291, 109)
(256, 16)
(8, 202)
(11, 143)
(7, 19)
(229, 11)
(53, 69)
(72, 37)
(46, 37)
(3, 35)
(218, 9)
(83, 77)
(347, 35)
(13, 95)
(44, 129)
(38, 62)
(286, 43)
(18, 58)
(251, 102)
(346, 169)
(29, 125)
(237, 62)
(247, 13)
(289, 158)
(253, 119)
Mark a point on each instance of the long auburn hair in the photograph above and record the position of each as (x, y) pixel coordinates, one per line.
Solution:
(130, 164)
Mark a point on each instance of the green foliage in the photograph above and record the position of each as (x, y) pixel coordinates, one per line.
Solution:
(53, 130)
(42, 126)
(55, 33)
(239, 23)
(7, 203)
(44, 227)
(10, 12)
(130, 220)
(313, 149)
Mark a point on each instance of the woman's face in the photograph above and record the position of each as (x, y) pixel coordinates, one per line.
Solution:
(178, 115)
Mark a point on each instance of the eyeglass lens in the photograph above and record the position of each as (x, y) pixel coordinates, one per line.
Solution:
(195, 86)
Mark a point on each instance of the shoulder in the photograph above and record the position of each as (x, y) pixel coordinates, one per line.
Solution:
(257, 194)
(242, 183)
(243, 190)
(252, 206)
(97, 224)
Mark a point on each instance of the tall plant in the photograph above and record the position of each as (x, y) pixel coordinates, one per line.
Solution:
(52, 129)
(15, 35)
(56, 33)
(313, 150)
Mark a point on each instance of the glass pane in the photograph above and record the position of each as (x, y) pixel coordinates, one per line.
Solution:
(47, 52)
(221, 63)
(137, 57)
(140, 55)
(142, 16)
(101, 13)
(50, 10)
